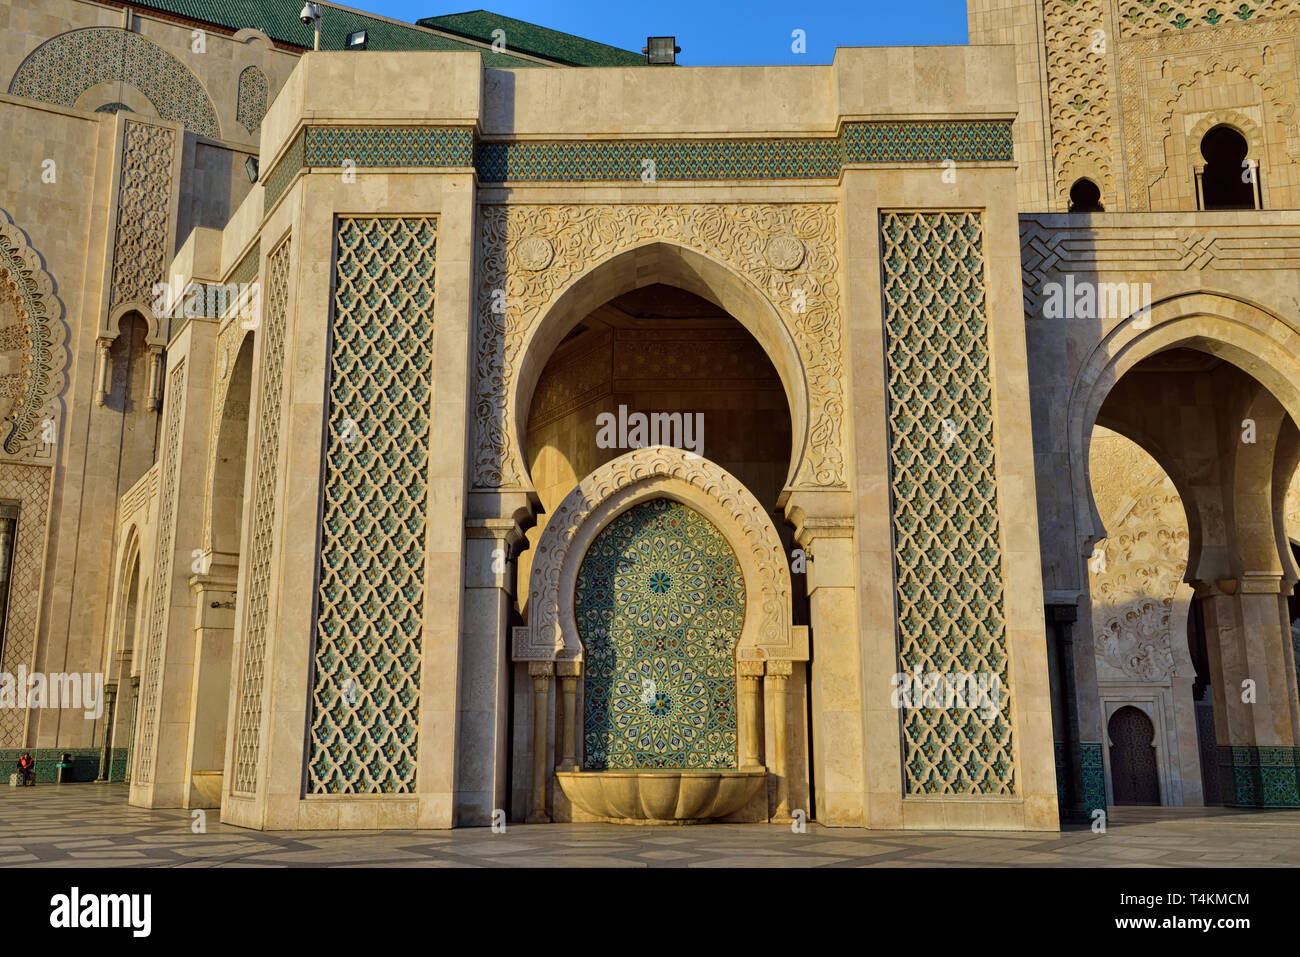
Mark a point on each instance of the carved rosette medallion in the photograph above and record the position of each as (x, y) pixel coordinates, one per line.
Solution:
(535, 253)
(785, 252)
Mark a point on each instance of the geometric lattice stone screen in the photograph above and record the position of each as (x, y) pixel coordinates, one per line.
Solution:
(659, 605)
(366, 683)
(947, 553)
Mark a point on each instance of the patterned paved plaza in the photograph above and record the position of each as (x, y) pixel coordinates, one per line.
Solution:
(90, 825)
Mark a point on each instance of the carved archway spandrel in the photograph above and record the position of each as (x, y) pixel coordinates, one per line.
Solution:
(531, 255)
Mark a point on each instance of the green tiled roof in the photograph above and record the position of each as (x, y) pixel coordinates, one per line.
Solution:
(278, 19)
(532, 39)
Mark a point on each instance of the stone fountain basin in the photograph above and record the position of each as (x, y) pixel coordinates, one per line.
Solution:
(662, 797)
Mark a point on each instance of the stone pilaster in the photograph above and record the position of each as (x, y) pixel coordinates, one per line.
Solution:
(777, 685)
(569, 672)
(482, 759)
(750, 674)
(541, 673)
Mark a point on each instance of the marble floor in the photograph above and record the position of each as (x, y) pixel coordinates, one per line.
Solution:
(88, 825)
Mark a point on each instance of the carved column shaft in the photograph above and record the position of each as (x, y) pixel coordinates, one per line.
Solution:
(750, 673)
(777, 683)
(568, 672)
(102, 370)
(483, 758)
(541, 673)
(155, 379)
(106, 753)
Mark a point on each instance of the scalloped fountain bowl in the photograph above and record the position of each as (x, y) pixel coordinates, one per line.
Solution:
(662, 797)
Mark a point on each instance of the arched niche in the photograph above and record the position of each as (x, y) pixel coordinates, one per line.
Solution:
(64, 67)
(639, 476)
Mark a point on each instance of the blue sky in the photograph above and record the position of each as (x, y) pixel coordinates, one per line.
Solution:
(721, 32)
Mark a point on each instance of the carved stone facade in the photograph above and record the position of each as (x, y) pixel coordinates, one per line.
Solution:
(515, 293)
(337, 576)
(1132, 86)
(32, 341)
(1140, 608)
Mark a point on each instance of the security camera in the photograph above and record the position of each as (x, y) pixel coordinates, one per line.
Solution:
(309, 14)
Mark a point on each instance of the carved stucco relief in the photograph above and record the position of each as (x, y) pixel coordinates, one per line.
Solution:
(1137, 569)
(1185, 57)
(33, 354)
(143, 213)
(1291, 508)
(518, 284)
(1079, 97)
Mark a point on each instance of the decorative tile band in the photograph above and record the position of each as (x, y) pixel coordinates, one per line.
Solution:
(85, 763)
(914, 141)
(947, 546)
(1254, 776)
(366, 682)
(1094, 776)
(1058, 753)
(246, 270)
(437, 146)
(278, 180)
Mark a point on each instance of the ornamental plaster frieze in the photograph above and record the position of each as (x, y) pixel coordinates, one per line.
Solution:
(32, 344)
(530, 256)
(1183, 58)
(1136, 572)
(1054, 248)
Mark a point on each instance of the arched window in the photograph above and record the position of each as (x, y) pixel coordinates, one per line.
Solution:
(1229, 178)
(1085, 197)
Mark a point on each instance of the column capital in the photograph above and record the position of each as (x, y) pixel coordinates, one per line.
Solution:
(1063, 614)
(541, 669)
(779, 668)
(749, 668)
(565, 668)
(1262, 583)
(819, 514)
(506, 530)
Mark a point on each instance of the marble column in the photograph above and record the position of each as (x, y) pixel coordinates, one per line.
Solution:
(483, 703)
(541, 672)
(103, 372)
(568, 672)
(777, 685)
(751, 704)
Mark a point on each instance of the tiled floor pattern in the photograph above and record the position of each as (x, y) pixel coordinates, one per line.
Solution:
(91, 825)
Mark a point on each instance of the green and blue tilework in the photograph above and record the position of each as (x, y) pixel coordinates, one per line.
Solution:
(947, 548)
(1058, 752)
(635, 160)
(85, 763)
(1094, 776)
(1259, 776)
(245, 270)
(366, 683)
(278, 180)
(659, 603)
(254, 96)
(379, 147)
(63, 68)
